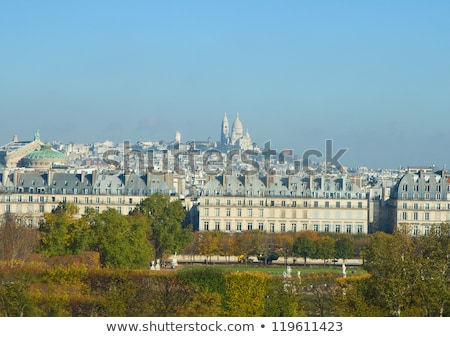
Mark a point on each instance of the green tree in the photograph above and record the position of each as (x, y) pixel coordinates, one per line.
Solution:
(325, 248)
(344, 248)
(433, 266)
(57, 230)
(305, 245)
(15, 297)
(165, 220)
(122, 241)
(391, 261)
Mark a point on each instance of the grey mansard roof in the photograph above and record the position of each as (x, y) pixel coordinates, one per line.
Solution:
(82, 183)
(282, 186)
(422, 184)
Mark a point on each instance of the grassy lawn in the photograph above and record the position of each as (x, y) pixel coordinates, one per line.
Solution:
(279, 269)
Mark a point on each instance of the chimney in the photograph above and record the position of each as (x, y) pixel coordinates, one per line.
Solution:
(50, 177)
(5, 177)
(149, 178)
(168, 179)
(16, 176)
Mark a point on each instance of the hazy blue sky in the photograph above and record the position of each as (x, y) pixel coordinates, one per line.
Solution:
(373, 76)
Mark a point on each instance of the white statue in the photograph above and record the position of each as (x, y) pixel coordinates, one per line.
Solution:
(344, 273)
(152, 267)
(157, 267)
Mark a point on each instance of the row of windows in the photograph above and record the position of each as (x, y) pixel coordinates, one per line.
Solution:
(426, 188)
(416, 230)
(30, 209)
(292, 194)
(260, 212)
(425, 206)
(424, 196)
(283, 203)
(239, 227)
(423, 216)
(75, 199)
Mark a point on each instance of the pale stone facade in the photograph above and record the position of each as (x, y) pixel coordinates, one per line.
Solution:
(282, 204)
(420, 201)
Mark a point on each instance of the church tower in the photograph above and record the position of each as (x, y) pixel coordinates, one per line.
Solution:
(225, 135)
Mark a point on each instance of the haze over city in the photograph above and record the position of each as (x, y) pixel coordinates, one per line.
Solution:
(372, 76)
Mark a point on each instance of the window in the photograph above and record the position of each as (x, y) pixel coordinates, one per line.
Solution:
(207, 202)
(250, 202)
(426, 229)
(294, 227)
(316, 227)
(206, 226)
(261, 212)
(360, 204)
(206, 211)
(239, 227)
(261, 203)
(228, 212)
(250, 212)
(338, 228)
(305, 227)
(239, 212)
(294, 203)
(41, 208)
(217, 226)
(305, 204)
(239, 202)
(217, 202)
(249, 226)
(272, 227)
(283, 203)
(217, 211)
(427, 216)
(326, 228)
(338, 204)
(404, 216)
(119, 210)
(416, 206)
(316, 204)
(349, 204)
(327, 204)
(415, 216)
(415, 231)
(283, 227)
(348, 228)
(359, 228)
(426, 206)
(261, 226)
(228, 202)
(228, 226)
(404, 205)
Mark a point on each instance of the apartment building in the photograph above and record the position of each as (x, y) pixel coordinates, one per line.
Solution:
(420, 200)
(29, 194)
(277, 204)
